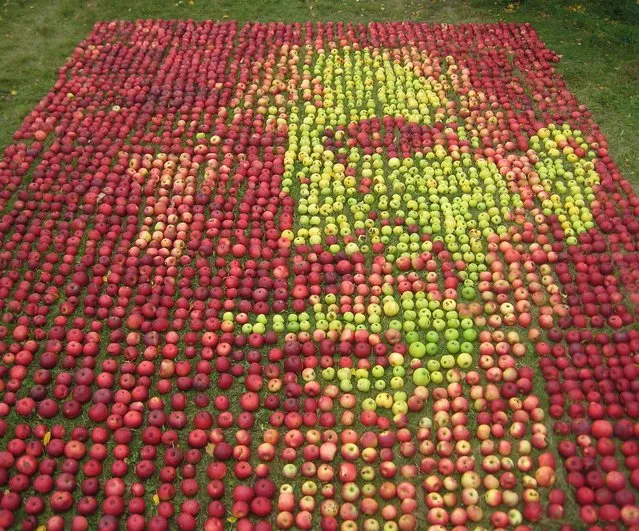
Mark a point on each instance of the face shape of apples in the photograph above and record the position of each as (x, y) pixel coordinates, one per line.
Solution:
(306, 257)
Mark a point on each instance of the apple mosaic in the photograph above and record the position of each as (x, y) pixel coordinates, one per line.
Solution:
(331, 276)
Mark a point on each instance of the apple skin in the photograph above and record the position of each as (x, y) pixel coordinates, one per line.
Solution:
(328, 451)
(347, 472)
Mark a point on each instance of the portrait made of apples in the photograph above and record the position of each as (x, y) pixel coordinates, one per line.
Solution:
(315, 276)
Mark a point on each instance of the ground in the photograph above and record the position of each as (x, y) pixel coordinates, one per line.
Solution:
(598, 64)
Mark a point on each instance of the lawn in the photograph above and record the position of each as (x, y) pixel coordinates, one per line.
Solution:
(598, 41)
(390, 237)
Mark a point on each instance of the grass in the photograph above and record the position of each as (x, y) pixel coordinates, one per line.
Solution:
(598, 42)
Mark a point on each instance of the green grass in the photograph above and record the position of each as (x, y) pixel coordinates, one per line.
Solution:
(598, 47)
(598, 42)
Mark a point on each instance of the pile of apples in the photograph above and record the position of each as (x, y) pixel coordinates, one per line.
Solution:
(316, 276)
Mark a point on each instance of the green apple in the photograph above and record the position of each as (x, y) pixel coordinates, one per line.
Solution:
(411, 337)
(346, 386)
(421, 376)
(453, 322)
(450, 334)
(369, 404)
(433, 365)
(464, 360)
(432, 337)
(417, 349)
(466, 347)
(378, 371)
(468, 293)
(399, 371)
(432, 349)
(439, 324)
(363, 385)
(328, 373)
(436, 377)
(470, 334)
(449, 304)
(391, 308)
(447, 361)
(452, 346)
(400, 407)
(368, 474)
(380, 385)
(400, 396)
